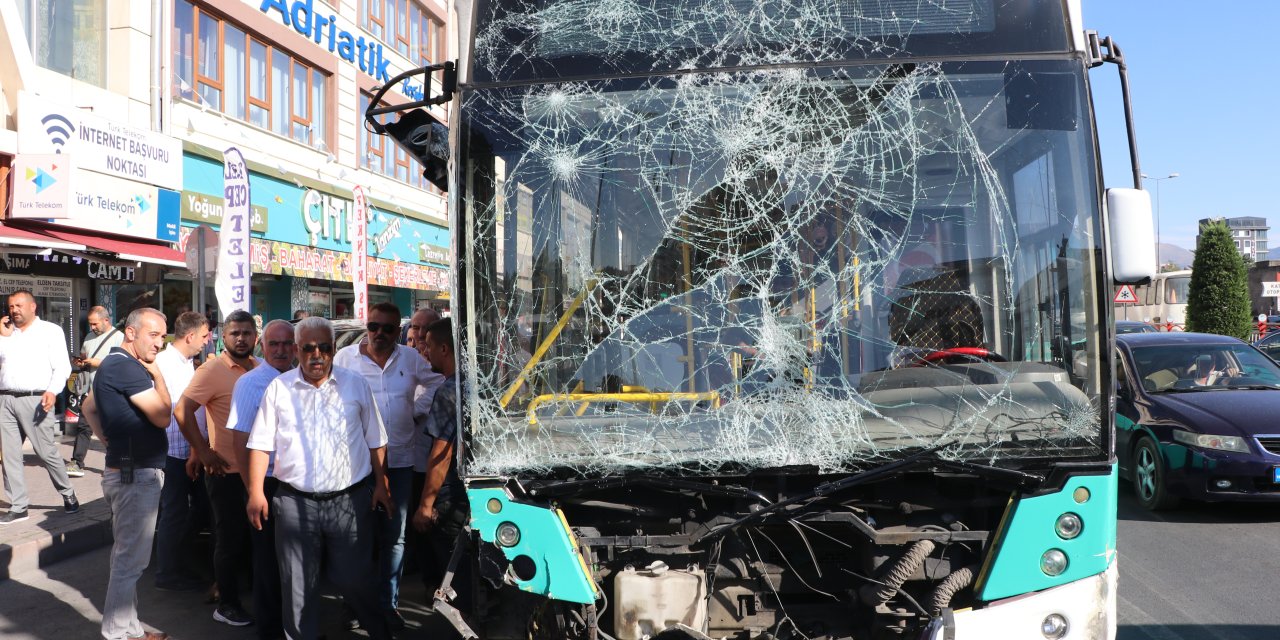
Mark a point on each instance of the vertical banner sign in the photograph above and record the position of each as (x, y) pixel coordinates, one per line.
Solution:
(360, 254)
(232, 284)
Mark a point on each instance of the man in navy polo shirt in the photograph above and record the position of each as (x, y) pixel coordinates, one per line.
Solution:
(129, 409)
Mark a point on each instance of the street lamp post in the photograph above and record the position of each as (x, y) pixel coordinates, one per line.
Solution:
(1158, 180)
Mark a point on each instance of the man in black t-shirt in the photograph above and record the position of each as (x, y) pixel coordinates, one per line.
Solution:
(129, 410)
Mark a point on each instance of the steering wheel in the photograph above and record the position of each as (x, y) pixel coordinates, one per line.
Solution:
(959, 355)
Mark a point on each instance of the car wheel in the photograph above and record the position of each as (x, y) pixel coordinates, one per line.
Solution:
(1149, 477)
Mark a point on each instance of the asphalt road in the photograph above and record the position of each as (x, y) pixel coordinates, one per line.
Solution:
(1200, 572)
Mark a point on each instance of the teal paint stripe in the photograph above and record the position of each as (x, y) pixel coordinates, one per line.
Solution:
(1030, 532)
(560, 572)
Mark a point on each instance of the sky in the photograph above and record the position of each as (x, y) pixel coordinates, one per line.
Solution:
(1206, 99)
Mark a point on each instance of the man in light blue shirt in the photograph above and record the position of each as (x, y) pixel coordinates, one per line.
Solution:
(278, 350)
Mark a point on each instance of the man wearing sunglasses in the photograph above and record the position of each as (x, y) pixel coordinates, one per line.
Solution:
(322, 423)
(394, 372)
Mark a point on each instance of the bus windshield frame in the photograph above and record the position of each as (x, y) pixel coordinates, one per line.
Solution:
(616, 226)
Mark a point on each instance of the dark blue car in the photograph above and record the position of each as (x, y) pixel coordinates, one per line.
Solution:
(1197, 416)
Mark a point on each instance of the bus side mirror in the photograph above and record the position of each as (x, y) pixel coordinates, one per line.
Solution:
(1133, 254)
(427, 141)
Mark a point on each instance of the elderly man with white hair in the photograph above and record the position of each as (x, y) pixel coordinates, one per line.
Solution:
(323, 426)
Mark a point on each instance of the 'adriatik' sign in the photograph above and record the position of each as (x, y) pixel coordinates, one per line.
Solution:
(323, 30)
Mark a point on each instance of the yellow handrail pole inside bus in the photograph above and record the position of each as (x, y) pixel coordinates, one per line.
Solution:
(546, 344)
(630, 398)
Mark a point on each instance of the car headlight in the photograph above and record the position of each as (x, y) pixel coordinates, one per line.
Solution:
(1208, 441)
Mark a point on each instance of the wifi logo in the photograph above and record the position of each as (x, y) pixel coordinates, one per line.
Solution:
(59, 129)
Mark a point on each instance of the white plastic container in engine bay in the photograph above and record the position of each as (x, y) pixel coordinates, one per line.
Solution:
(648, 600)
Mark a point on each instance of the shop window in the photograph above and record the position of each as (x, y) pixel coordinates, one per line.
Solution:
(68, 36)
(224, 68)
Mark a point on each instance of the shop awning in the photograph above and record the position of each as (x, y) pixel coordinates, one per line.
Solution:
(125, 249)
(14, 237)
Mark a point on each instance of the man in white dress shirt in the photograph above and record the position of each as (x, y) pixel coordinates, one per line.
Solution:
(322, 423)
(181, 494)
(33, 369)
(394, 372)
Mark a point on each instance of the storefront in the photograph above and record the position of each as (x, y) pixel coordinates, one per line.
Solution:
(301, 246)
(94, 210)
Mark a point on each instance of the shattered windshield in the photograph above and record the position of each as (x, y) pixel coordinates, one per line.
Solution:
(545, 39)
(820, 266)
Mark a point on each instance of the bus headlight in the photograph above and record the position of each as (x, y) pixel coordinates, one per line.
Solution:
(1053, 562)
(1054, 626)
(508, 534)
(1069, 526)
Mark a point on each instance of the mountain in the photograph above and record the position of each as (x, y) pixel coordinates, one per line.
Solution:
(1175, 254)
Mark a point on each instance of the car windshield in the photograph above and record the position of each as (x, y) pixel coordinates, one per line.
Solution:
(1203, 367)
(1134, 327)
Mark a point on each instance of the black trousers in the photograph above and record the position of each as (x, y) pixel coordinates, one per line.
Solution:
(83, 434)
(266, 571)
(229, 500)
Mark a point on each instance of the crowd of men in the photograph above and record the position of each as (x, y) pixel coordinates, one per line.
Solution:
(305, 460)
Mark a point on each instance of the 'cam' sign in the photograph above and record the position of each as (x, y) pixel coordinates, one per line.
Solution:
(323, 30)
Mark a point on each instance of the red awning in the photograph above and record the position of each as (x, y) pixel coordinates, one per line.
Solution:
(16, 237)
(126, 249)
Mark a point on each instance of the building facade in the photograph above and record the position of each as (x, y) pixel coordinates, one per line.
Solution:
(1249, 234)
(117, 115)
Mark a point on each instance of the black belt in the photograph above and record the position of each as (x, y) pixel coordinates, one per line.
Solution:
(20, 394)
(326, 495)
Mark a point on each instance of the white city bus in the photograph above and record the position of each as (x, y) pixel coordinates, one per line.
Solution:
(1162, 302)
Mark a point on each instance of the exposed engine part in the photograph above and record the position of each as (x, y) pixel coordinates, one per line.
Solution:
(941, 597)
(876, 595)
(657, 597)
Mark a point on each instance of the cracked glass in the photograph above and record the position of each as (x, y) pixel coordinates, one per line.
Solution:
(670, 264)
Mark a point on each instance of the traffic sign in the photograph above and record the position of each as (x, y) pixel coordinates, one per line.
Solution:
(1271, 289)
(1126, 295)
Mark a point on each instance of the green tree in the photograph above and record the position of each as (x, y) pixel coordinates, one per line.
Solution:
(1218, 301)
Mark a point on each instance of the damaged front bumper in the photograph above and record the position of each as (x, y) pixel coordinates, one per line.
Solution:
(1081, 610)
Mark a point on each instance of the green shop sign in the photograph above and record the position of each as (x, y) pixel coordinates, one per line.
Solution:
(201, 207)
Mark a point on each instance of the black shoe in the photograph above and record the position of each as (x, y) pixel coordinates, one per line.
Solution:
(71, 505)
(13, 516)
(349, 617)
(395, 621)
(234, 616)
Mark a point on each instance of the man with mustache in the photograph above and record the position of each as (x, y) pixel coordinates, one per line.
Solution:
(33, 369)
(211, 388)
(322, 423)
(129, 410)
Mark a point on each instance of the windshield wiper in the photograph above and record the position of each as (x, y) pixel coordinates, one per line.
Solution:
(924, 458)
(1253, 387)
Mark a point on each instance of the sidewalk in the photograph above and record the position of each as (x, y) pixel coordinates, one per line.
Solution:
(50, 535)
